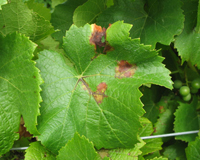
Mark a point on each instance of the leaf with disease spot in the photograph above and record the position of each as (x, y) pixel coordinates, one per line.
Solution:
(19, 84)
(153, 21)
(16, 16)
(91, 98)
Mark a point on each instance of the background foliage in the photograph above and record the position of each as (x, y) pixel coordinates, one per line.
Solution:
(86, 79)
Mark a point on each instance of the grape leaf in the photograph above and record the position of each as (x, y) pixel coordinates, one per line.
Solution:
(153, 21)
(16, 16)
(159, 158)
(176, 151)
(94, 98)
(62, 17)
(40, 9)
(19, 80)
(150, 97)
(78, 148)
(37, 152)
(57, 2)
(128, 154)
(187, 43)
(186, 119)
(152, 145)
(165, 121)
(192, 151)
(88, 12)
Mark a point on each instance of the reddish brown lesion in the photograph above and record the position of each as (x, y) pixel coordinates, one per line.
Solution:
(22, 129)
(97, 34)
(124, 69)
(98, 38)
(99, 93)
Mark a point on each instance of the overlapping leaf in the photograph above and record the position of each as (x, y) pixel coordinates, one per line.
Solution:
(153, 21)
(37, 152)
(186, 119)
(187, 43)
(88, 12)
(16, 16)
(99, 97)
(19, 83)
(192, 151)
(78, 148)
(62, 17)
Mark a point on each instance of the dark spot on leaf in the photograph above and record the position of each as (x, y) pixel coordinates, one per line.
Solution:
(99, 94)
(45, 154)
(3, 26)
(98, 38)
(34, 76)
(97, 35)
(124, 69)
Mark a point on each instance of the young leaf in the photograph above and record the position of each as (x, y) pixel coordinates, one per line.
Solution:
(153, 21)
(88, 12)
(37, 152)
(186, 119)
(19, 80)
(16, 16)
(78, 148)
(95, 98)
(187, 43)
(192, 151)
(62, 17)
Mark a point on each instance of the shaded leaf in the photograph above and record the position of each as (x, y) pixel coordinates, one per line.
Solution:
(186, 119)
(88, 12)
(187, 43)
(193, 150)
(62, 17)
(153, 21)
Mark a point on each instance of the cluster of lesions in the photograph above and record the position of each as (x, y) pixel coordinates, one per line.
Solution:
(99, 94)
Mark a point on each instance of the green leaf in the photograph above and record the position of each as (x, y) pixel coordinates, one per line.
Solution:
(176, 151)
(62, 17)
(152, 145)
(57, 2)
(187, 43)
(186, 119)
(192, 151)
(165, 121)
(127, 154)
(92, 98)
(40, 9)
(88, 12)
(16, 16)
(78, 148)
(19, 80)
(38, 152)
(159, 158)
(153, 21)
